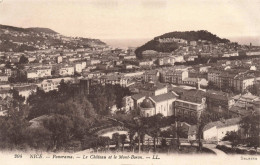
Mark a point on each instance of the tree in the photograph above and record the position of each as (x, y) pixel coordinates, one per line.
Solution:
(233, 137)
(154, 124)
(102, 142)
(254, 89)
(18, 99)
(60, 126)
(136, 126)
(131, 134)
(39, 138)
(116, 139)
(13, 128)
(123, 140)
(251, 126)
(23, 60)
(203, 119)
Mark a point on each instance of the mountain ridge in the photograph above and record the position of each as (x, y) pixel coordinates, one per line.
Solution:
(36, 29)
(19, 39)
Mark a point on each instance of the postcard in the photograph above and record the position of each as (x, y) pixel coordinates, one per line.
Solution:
(129, 82)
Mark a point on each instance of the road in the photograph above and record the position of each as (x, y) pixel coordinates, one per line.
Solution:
(211, 147)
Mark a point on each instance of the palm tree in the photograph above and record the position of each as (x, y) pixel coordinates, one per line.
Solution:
(116, 139)
(131, 134)
(137, 126)
(203, 119)
(123, 140)
(154, 123)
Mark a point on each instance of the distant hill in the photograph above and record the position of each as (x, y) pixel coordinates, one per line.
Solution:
(169, 47)
(42, 30)
(18, 39)
(33, 29)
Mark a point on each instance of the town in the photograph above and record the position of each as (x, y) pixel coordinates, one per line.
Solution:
(188, 93)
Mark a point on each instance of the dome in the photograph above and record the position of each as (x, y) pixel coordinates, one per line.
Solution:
(147, 103)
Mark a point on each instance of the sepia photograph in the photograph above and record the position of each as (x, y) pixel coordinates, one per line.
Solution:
(129, 82)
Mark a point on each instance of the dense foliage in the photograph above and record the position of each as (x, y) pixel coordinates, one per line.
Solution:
(59, 120)
(195, 36)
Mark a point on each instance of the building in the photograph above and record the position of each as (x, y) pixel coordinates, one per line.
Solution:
(152, 89)
(128, 103)
(169, 104)
(216, 131)
(166, 61)
(219, 102)
(66, 71)
(244, 81)
(78, 67)
(93, 62)
(59, 59)
(230, 54)
(189, 109)
(138, 99)
(151, 75)
(174, 76)
(3, 77)
(213, 76)
(160, 104)
(8, 72)
(193, 43)
(172, 40)
(144, 63)
(128, 57)
(53, 84)
(114, 79)
(245, 104)
(253, 53)
(38, 73)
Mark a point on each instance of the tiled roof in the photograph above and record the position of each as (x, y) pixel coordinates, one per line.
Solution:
(151, 72)
(218, 95)
(137, 96)
(163, 97)
(220, 124)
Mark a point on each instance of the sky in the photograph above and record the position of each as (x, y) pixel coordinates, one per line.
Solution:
(134, 19)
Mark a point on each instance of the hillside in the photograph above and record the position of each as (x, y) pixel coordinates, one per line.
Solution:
(186, 36)
(18, 39)
(26, 30)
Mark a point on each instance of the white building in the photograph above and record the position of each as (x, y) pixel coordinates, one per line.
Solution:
(66, 71)
(38, 73)
(128, 103)
(253, 53)
(53, 84)
(59, 59)
(160, 104)
(215, 131)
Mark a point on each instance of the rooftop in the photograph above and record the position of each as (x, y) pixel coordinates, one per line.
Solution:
(222, 123)
(163, 97)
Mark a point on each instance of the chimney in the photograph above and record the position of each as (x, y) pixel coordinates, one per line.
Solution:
(198, 84)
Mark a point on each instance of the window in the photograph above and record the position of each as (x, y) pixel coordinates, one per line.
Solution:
(185, 104)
